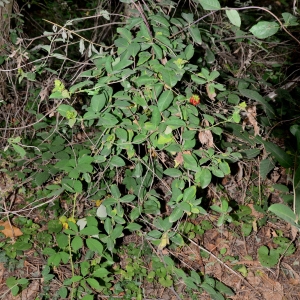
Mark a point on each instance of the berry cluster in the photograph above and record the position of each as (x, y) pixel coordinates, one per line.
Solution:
(195, 100)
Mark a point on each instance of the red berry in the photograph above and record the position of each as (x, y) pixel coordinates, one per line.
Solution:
(195, 100)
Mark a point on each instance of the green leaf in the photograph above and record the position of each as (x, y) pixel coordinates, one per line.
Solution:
(189, 193)
(77, 243)
(19, 150)
(117, 232)
(108, 120)
(264, 29)
(145, 80)
(94, 245)
(172, 172)
(108, 226)
(85, 268)
(63, 292)
(11, 281)
(233, 99)
(165, 100)
(208, 288)
(122, 64)
(190, 162)
(190, 283)
(189, 51)
(90, 230)
(224, 167)
(98, 102)
(284, 212)
(158, 51)
(143, 57)
(117, 161)
(166, 282)
(62, 240)
(23, 246)
(133, 49)
(54, 226)
(234, 17)
(79, 85)
(188, 17)
(204, 177)
(160, 20)
(94, 284)
(169, 77)
(64, 109)
(88, 297)
(71, 185)
(76, 278)
(196, 35)
(295, 130)
(209, 118)
(217, 172)
(64, 257)
(221, 287)
(267, 258)
(198, 80)
(217, 130)
(289, 19)
(265, 166)
(156, 117)
(133, 227)
(115, 192)
(101, 273)
(163, 40)
(140, 138)
(210, 4)
(280, 155)
(125, 33)
(176, 214)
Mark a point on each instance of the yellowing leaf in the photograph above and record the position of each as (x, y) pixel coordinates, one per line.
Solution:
(164, 241)
(98, 202)
(63, 219)
(65, 225)
(71, 219)
(9, 230)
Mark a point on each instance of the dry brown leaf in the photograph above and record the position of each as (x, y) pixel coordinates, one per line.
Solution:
(211, 91)
(206, 138)
(164, 60)
(240, 174)
(294, 232)
(272, 290)
(253, 280)
(255, 213)
(9, 230)
(178, 159)
(2, 269)
(251, 119)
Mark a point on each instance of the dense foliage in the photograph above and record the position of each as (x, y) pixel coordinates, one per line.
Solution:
(124, 137)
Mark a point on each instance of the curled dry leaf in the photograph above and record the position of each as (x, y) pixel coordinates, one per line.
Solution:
(164, 60)
(210, 89)
(206, 138)
(179, 158)
(250, 119)
(9, 230)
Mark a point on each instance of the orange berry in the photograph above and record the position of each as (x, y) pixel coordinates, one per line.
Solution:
(195, 100)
